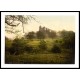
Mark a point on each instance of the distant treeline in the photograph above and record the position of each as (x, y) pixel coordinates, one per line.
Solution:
(41, 34)
(44, 33)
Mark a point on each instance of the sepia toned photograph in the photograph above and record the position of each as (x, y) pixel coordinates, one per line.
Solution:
(40, 38)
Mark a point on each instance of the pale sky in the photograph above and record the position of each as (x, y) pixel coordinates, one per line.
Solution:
(52, 22)
(58, 23)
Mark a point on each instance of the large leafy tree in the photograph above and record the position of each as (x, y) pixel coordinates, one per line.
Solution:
(68, 39)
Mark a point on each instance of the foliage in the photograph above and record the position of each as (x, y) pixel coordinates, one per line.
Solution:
(31, 35)
(8, 44)
(36, 50)
(68, 39)
(40, 35)
(56, 49)
(42, 45)
(28, 48)
(37, 55)
(18, 46)
(52, 34)
(41, 50)
(14, 20)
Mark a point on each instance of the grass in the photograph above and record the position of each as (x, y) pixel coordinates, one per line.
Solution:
(43, 57)
(35, 42)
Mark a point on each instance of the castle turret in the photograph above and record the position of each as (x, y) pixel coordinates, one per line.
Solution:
(40, 28)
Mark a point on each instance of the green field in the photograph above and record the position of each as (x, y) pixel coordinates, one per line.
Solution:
(41, 57)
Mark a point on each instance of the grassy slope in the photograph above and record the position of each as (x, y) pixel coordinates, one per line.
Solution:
(41, 58)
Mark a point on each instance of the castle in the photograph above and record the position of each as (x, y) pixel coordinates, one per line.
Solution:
(44, 29)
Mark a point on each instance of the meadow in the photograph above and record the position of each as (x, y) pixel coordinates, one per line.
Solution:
(45, 56)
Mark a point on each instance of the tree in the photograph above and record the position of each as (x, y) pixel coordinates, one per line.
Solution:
(68, 39)
(42, 45)
(40, 35)
(52, 34)
(56, 49)
(8, 44)
(18, 46)
(31, 35)
(10, 20)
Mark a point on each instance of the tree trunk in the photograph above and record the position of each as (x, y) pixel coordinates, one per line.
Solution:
(23, 27)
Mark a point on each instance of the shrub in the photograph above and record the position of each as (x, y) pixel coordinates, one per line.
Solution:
(56, 49)
(18, 46)
(36, 50)
(8, 44)
(68, 39)
(42, 45)
(59, 41)
(28, 48)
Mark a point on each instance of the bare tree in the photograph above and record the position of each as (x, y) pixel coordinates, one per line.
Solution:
(11, 19)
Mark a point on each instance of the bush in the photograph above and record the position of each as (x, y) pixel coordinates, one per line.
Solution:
(59, 41)
(56, 49)
(68, 39)
(42, 45)
(18, 46)
(8, 44)
(28, 48)
(36, 50)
